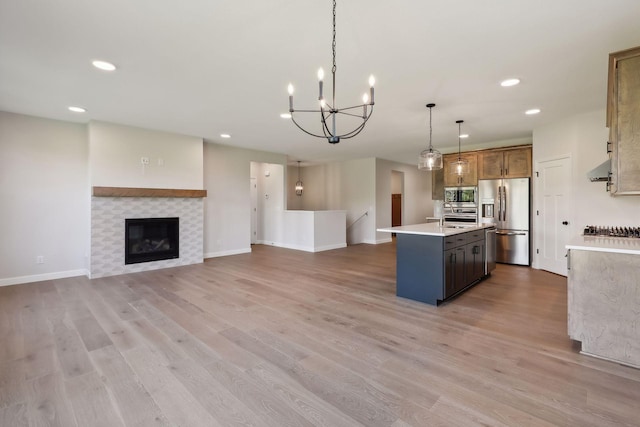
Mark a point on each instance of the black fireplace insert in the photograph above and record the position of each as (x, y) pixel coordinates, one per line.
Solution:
(151, 239)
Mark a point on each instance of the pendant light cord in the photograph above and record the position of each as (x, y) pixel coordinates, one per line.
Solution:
(430, 131)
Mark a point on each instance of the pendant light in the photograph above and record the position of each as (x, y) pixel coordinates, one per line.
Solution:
(430, 159)
(460, 167)
(299, 186)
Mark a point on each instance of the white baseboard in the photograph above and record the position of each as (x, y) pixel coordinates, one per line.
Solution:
(330, 247)
(378, 241)
(227, 253)
(41, 277)
(304, 248)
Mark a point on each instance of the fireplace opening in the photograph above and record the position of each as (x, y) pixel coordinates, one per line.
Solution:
(151, 239)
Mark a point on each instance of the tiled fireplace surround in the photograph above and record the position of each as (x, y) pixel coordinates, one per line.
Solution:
(108, 214)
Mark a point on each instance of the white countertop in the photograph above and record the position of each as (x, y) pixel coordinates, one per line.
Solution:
(434, 229)
(622, 245)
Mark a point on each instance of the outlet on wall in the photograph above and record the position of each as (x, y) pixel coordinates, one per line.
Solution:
(144, 160)
(39, 259)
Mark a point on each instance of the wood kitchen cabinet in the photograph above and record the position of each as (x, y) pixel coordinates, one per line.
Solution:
(468, 179)
(623, 120)
(505, 163)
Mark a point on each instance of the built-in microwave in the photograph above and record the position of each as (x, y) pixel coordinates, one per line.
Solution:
(461, 196)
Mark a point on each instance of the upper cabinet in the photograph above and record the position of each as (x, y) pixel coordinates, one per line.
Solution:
(468, 179)
(505, 163)
(623, 120)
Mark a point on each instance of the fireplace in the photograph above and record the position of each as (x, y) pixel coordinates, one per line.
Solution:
(151, 239)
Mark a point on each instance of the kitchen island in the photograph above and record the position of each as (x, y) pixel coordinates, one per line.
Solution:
(434, 263)
(604, 297)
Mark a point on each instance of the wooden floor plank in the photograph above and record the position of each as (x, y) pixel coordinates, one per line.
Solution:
(280, 337)
(177, 404)
(135, 405)
(92, 404)
(48, 403)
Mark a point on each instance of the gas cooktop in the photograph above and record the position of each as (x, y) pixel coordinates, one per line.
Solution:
(596, 230)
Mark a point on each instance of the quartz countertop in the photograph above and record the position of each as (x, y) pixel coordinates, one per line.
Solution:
(622, 245)
(434, 229)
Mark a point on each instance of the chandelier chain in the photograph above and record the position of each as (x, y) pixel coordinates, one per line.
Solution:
(333, 49)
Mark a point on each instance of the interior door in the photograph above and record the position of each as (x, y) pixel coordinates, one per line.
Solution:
(554, 213)
(254, 210)
(396, 210)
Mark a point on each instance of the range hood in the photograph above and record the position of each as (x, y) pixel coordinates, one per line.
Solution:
(600, 172)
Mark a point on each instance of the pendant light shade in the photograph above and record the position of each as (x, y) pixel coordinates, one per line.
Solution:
(299, 186)
(461, 166)
(430, 159)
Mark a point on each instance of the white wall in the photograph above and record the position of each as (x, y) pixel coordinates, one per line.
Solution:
(416, 195)
(115, 151)
(227, 221)
(44, 198)
(396, 182)
(584, 137)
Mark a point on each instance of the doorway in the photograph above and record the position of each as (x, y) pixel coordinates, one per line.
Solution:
(397, 202)
(553, 213)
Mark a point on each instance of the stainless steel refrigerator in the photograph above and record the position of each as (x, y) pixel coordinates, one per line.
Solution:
(506, 203)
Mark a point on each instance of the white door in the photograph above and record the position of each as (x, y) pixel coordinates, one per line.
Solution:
(254, 210)
(553, 214)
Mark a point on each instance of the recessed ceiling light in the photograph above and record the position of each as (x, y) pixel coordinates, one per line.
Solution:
(532, 111)
(225, 135)
(509, 82)
(285, 115)
(104, 65)
(464, 135)
(78, 109)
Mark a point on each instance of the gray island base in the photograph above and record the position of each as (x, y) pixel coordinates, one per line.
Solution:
(604, 297)
(434, 263)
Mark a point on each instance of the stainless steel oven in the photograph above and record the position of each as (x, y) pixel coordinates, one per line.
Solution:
(460, 204)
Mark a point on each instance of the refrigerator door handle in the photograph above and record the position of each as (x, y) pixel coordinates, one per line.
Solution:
(504, 204)
(499, 203)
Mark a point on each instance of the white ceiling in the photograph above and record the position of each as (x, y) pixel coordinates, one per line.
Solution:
(205, 67)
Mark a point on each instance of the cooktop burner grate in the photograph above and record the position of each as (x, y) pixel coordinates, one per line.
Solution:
(596, 230)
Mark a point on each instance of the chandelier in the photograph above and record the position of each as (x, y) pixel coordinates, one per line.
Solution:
(329, 111)
(461, 166)
(299, 186)
(430, 159)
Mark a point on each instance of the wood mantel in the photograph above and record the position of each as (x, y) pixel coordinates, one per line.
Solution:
(146, 192)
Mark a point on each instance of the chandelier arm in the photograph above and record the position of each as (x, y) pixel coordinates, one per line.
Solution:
(356, 106)
(356, 131)
(325, 128)
(353, 115)
(353, 133)
(306, 131)
(307, 111)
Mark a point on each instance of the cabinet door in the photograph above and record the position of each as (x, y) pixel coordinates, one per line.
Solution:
(460, 279)
(490, 165)
(517, 163)
(468, 179)
(474, 256)
(449, 272)
(625, 123)
(437, 184)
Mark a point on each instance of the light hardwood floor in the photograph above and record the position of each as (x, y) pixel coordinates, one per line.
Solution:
(287, 338)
